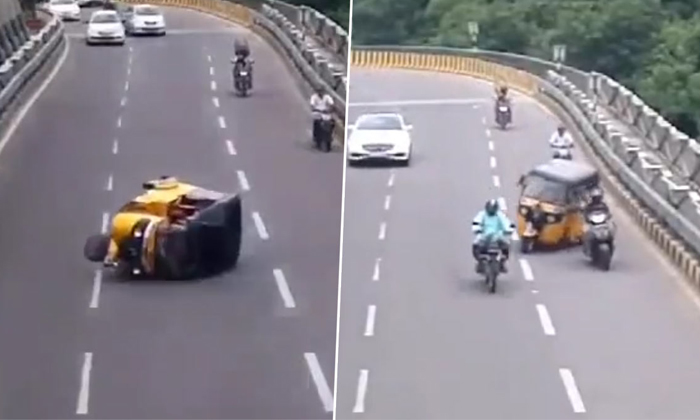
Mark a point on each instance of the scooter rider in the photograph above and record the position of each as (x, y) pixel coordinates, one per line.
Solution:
(321, 103)
(561, 139)
(596, 204)
(241, 50)
(502, 98)
(491, 225)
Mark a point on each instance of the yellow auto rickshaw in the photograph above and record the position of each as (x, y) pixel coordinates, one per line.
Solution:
(551, 204)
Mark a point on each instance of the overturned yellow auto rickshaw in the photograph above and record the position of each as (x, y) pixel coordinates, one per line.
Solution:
(173, 230)
(552, 199)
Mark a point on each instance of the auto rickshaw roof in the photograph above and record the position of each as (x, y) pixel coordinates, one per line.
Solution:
(567, 172)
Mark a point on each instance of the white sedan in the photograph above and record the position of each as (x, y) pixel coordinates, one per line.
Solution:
(65, 9)
(380, 136)
(105, 27)
(145, 19)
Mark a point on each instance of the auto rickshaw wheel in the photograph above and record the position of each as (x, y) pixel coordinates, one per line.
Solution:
(527, 245)
(96, 247)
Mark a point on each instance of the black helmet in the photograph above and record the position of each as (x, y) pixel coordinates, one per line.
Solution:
(491, 207)
(597, 196)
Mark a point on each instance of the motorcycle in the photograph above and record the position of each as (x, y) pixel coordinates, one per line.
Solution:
(503, 115)
(324, 138)
(490, 265)
(535, 221)
(598, 244)
(561, 153)
(242, 79)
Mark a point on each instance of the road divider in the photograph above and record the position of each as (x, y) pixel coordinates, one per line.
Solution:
(644, 168)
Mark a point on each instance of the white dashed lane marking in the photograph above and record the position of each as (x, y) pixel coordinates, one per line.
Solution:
(362, 382)
(496, 181)
(243, 180)
(105, 223)
(324, 391)
(115, 147)
(260, 226)
(387, 202)
(369, 324)
(283, 287)
(96, 288)
(222, 122)
(572, 391)
(375, 273)
(545, 320)
(382, 231)
(110, 183)
(526, 269)
(231, 149)
(215, 100)
(84, 393)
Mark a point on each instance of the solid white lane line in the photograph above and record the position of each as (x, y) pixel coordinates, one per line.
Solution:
(96, 288)
(382, 231)
(119, 122)
(216, 101)
(361, 391)
(222, 122)
(213, 85)
(496, 181)
(211, 71)
(488, 133)
(283, 288)
(110, 183)
(84, 393)
(324, 391)
(390, 183)
(29, 103)
(387, 202)
(545, 320)
(369, 324)
(231, 149)
(375, 274)
(526, 269)
(243, 181)
(260, 226)
(493, 162)
(115, 146)
(572, 391)
(123, 103)
(502, 203)
(105, 222)
(491, 147)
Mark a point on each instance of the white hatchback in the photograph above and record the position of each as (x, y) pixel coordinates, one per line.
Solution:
(145, 19)
(65, 9)
(380, 136)
(105, 27)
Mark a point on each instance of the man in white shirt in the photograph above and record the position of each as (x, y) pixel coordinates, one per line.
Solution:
(321, 103)
(561, 139)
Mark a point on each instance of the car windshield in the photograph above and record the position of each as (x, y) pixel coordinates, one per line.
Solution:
(62, 1)
(545, 190)
(105, 18)
(147, 11)
(379, 122)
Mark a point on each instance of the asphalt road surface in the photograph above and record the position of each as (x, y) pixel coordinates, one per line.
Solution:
(258, 342)
(421, 338)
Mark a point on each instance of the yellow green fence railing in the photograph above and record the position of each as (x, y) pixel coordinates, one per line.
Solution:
(456, 64)
(223, 9)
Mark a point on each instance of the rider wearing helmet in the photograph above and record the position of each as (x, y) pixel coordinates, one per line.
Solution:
(241, 50)
(596, 203)
(561, 139)
(491, 225)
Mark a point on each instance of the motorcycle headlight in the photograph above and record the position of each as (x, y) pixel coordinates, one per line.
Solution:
(523, 210)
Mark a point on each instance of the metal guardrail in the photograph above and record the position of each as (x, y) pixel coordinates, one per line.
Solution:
(661, 200)
(19, 69)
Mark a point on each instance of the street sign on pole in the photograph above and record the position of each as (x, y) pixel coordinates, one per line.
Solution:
(473, 28)
(559, 53)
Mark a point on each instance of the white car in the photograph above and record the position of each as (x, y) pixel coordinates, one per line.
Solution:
(105, 27)
(65, 9)
(145, 19)
(380, 136)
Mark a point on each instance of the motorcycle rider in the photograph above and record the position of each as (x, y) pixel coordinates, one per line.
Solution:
(491, 225)
(561, 139)
(321, 103)
(241, 50)
(596, 204)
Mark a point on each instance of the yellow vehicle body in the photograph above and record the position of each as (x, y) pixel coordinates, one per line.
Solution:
(558, 190)
(153, 205)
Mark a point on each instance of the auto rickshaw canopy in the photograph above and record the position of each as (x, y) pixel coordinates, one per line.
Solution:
(553, 181)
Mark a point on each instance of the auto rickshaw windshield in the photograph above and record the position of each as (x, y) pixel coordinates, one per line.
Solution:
(545, 190)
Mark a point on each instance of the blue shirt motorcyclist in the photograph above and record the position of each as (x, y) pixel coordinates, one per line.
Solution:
(491, 225)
